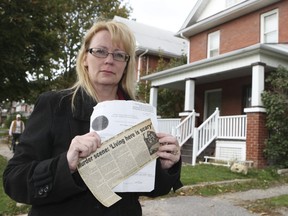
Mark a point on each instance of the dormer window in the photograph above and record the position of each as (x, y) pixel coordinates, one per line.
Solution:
(269, 27)
(213, 44)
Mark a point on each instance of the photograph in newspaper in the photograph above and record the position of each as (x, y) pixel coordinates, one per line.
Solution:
(118, 158)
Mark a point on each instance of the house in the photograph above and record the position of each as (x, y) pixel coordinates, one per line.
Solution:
(232, 47)
(152, 44)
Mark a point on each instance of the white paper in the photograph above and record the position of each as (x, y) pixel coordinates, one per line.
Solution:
(110, 118)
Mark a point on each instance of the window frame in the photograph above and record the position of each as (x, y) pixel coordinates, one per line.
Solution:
(209, 49)
(263, 33)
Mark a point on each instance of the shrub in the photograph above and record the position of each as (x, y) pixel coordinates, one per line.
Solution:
(275, 100)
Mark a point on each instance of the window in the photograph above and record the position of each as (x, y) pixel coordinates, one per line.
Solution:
(213, 44)
(269, 27)
(246, 97)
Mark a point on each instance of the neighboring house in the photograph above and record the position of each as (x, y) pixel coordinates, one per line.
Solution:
(152, 44)
(233, 45)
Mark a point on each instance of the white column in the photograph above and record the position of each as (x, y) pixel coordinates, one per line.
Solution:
(258, 81)
(189, 95)
(153, 96)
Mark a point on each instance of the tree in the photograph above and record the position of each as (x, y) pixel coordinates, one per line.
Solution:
(40, 39)
(275, 100)
(29, 44)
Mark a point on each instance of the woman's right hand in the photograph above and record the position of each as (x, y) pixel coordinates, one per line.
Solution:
(81, 147)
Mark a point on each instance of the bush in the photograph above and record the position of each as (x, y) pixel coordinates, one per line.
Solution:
(275, 100)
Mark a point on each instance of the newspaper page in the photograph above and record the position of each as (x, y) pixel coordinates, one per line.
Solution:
(117, 159)
(110, 118)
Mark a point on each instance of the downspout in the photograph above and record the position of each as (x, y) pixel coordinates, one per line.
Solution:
(188, 49)
(139, 64)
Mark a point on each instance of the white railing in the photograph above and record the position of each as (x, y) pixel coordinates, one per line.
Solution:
(205, 134)
(185, 129)
(168, 125)
(232, 127)
(216, 126)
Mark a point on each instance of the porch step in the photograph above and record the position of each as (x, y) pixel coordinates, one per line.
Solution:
(186, 151)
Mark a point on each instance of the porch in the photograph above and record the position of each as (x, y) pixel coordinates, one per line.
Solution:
(218, 136)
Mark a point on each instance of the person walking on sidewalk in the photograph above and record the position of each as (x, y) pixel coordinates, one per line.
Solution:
(16, 129)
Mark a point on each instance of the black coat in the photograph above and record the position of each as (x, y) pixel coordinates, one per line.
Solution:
(38, 174)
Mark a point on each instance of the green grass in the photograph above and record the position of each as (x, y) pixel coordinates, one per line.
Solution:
(256, 178)
(269, 206)
(8, 206)
(194, 177)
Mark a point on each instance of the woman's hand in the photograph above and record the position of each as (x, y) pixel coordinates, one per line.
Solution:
(81, 147)
(169, 150)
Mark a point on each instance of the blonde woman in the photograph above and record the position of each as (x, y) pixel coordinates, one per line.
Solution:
(43, 170)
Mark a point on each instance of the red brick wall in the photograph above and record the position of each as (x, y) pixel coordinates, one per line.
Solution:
(232, 90)
(255, 138)
(149, 63)
(239, 33)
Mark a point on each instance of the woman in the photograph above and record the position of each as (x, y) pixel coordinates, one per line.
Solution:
(43, 170)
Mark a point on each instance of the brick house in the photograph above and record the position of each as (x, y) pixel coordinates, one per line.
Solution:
(233, 45)
(152, 44)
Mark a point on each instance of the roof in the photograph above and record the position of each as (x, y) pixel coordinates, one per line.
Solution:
(204, 15)
(155, 40)
(220, 67)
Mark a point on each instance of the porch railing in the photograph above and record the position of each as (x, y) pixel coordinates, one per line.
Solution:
(225, 127)
(216, 126)
(185, 129)
(204, 135)
(168, 125)
(232, 127)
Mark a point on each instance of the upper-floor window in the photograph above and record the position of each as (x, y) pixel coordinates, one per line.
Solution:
(213, 44)
(269, 27)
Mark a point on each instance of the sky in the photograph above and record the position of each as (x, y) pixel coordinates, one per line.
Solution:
(164, 14)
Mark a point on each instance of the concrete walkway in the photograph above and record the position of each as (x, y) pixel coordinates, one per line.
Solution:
(221, 205)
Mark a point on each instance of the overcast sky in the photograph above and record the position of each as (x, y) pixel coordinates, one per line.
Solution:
(164, 14)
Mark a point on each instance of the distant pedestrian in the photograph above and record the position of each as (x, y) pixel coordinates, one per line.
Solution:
(16, 129)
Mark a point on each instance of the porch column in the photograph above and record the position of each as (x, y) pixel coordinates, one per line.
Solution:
(189, 94)
(153, 96)
(256, 132)
(258, 73)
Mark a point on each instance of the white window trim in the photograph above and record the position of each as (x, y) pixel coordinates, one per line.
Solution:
(262, 24)
(209, 41)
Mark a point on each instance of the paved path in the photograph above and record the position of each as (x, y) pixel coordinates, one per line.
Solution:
(221, 205)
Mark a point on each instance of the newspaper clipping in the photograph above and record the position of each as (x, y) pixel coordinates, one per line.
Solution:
(118, 158)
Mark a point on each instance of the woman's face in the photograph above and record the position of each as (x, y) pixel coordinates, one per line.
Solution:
(104, 71)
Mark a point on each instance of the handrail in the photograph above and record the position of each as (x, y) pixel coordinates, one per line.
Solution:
(205, 134)
(185, 129)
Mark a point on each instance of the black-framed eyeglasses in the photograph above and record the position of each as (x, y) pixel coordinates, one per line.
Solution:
(103, 53)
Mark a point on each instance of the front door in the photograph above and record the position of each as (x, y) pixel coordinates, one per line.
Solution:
(212, 101)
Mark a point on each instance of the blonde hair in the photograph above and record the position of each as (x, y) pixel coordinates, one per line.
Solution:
(120, 34)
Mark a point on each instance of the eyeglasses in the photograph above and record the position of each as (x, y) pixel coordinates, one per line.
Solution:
(103, 53)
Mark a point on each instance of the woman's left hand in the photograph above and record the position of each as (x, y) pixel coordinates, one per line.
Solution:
(169, 150)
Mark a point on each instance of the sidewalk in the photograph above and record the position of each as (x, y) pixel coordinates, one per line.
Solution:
(221, 205)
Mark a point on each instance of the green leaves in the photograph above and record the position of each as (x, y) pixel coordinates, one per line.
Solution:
(39, 41)
(275, 100)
